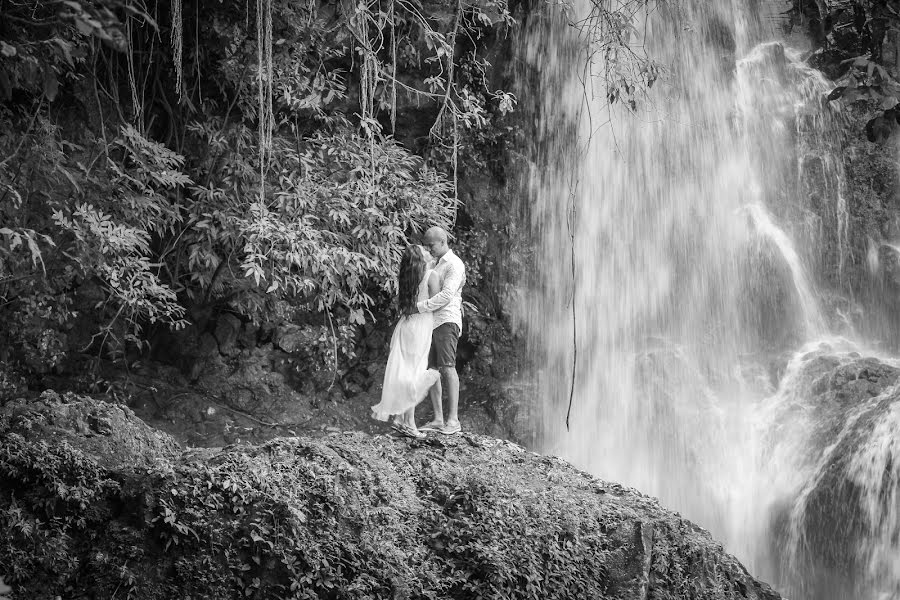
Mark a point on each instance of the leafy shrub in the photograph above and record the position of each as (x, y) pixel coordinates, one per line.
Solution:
(35, 304)
(263, 532)
(495, 542)
(347, 516)
(53, 492)
(334, 236)
(115, 247)
(128, 203)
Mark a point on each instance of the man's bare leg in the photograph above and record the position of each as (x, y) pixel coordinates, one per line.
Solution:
(435, 392)
(451, 378)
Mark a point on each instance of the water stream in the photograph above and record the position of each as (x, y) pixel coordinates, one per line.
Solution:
(679, 258)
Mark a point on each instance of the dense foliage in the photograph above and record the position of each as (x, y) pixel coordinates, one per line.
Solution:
(168, 159)
(858, 46)
(348, 516)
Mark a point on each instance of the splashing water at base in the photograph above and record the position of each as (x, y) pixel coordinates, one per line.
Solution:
(829, 491)
(690, 250)
(875, 468)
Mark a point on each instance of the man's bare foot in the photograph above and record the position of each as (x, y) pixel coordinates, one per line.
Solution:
(451, 427)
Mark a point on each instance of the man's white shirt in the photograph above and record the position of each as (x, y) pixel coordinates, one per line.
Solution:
(447, 304)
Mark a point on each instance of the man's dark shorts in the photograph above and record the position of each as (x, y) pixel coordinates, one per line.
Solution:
(443, 346)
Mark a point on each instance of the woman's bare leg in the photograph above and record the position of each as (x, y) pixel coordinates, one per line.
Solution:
(409, 418)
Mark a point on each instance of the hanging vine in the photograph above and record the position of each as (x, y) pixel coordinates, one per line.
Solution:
(450, 52)
(264, 77)
(136, 103)
(177, 35)
(403, 21)
(393, 22)
(572, 222)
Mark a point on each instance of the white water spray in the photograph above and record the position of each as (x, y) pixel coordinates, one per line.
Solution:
(678, 243)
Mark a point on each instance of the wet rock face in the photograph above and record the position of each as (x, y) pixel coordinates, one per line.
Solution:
(838, 538)
(339, 516)
(110, 432)
(840, 32)
(853, 383)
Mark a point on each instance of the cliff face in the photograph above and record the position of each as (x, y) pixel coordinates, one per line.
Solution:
(856, 45)
(95, 504)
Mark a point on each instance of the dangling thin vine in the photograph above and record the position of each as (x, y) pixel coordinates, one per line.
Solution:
(177, 44)
(369, 78)
(393, 70)
(447, 104)
(136, 104)
(265, 77)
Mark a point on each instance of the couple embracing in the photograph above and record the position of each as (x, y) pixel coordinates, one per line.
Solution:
(422, 358)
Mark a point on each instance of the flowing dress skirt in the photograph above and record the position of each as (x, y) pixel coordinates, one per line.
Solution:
(407, 377)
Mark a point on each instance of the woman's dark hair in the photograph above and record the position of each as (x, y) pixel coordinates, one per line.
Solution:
(412, 269)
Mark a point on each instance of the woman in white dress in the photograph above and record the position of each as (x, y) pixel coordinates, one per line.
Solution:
(407, 377)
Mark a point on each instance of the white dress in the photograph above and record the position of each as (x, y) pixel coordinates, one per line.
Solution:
(407, 377)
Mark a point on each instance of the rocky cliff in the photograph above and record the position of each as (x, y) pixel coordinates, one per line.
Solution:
(96, 504)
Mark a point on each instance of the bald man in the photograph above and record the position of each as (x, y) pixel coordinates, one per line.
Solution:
(447, 308)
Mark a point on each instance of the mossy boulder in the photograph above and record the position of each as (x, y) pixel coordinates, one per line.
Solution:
(835, 537)
(346, 515)
(110, 434)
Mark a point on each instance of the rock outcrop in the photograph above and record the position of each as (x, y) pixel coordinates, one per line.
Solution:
(837, 537)
(97, 505)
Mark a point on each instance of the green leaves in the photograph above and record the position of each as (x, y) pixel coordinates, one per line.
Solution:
(25, 238)
(114, 244)
(63, 484)
(95, 19)
(331, 236)
(154, 234)
(867, 81)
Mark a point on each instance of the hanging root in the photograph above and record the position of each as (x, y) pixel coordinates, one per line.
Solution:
(265, 76)
(136, 104)
(177, 44)
(393, 70)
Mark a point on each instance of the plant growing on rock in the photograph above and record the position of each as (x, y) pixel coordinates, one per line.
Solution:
(237, 187)
(857, 47)
(166, 163)
(345, 517)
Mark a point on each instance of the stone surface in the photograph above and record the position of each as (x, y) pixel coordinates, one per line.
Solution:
(207, 346)
(110, 433)
(291, 338)
(380, 516)
(228, 328)
(844, 418)
(870, 169)
(248, 335)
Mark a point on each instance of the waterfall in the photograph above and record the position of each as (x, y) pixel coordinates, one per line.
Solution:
(681, 255)
(814, 324)
(834, 490)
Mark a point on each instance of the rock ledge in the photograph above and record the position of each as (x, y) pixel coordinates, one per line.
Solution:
(342, 516)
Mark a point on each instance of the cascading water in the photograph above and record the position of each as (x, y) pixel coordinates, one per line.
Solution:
(831, 478)
(678, 255)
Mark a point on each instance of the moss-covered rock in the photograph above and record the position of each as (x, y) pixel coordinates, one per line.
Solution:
(342, 516)
(836, 537)
(110, 434)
